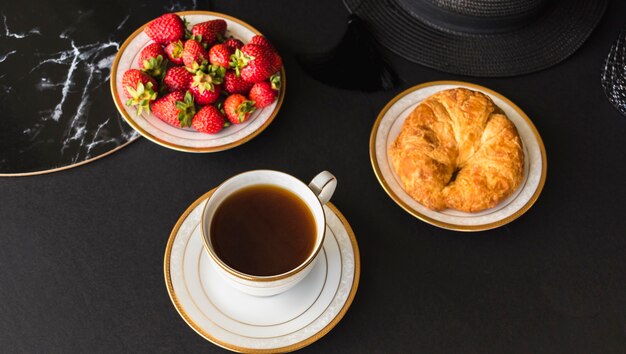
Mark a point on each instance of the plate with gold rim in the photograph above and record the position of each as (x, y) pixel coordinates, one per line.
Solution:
(389, 124)
(241, 322)
(188, 139)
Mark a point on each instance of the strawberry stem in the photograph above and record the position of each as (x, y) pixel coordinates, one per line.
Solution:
(186, 110)
(141, 97)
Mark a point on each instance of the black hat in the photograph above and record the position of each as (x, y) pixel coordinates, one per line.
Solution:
(481, 37)
(614, 73)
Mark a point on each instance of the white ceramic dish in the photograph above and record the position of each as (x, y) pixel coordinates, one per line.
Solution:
(244, 323)
(187, 139)
(389, 124)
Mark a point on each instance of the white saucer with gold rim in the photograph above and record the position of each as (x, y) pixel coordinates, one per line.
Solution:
(389, 124)
(245, 323)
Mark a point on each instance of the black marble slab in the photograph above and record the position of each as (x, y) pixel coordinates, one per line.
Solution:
(55, 58)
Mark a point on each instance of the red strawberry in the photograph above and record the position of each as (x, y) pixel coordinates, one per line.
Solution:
(277, 62)
(175, 108)
(194, 56)
(233, 43)
(204, 96)
(238, 108)
(177, 79)
(235, 84)
(151, 60)
(215, 26)
(220, 55)
(208, 120)
(209, 32)
(140, 89)
(205, 87)
(174, 51)
(263, 94)
(253, 63)
(263, 42)
(151, 51)
(165, 29)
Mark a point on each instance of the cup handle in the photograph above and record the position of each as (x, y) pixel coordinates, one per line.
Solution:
(323, 185)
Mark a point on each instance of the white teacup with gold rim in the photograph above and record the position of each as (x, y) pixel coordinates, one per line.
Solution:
(263, 229)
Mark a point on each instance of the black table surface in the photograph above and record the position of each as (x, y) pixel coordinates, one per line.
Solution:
(81, 251)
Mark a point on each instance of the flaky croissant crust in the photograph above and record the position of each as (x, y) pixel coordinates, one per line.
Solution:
(458, 150)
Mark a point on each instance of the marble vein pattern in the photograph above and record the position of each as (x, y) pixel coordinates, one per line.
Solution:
(54, 81)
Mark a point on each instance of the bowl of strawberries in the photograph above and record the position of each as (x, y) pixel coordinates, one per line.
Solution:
(198, 81)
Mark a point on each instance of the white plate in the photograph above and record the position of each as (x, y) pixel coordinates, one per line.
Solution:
(187, 139)
(389, 124)
(245, 323)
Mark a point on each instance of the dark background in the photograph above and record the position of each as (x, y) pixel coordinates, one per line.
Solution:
(81, 251)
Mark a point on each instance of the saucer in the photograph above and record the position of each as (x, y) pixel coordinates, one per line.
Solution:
(244, 323)
(188, 139)
(389, 124)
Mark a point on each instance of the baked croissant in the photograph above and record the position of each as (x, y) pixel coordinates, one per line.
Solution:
(458, 150)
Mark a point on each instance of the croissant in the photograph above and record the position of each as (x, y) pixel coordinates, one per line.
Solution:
(458, 150)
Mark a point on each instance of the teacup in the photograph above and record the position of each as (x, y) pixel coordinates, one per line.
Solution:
(314, 196)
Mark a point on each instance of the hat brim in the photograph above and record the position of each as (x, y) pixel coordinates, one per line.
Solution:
(549, 39)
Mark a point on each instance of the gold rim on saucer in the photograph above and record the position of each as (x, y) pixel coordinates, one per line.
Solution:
(292, 347)
(120, 105)
(445, 225)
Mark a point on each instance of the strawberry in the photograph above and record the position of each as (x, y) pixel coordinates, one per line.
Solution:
(263, 94)
(208, 120)
(194, 56)
(203, 95)
(209, 32)
(215, 26)
(152, 60)
(238, 108)
(253, 63)
(205, 86)
(220, 55)
(175, 108)
(234, 43)
(177, 79)
(263, 42)
(165, 29)
(277, 62)
(140, 89)
(235, 84)
(174, 52)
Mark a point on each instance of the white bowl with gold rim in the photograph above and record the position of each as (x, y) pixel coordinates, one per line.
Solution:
(188, 139)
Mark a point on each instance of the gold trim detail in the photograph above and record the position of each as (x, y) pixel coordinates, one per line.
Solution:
(120, 105)
(67, 167)
(445, 225)
(225, 345)
(269, 278)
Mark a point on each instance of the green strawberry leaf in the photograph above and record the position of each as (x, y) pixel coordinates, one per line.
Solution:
(141, 97)
(217, 73)
(275, 81)
(186, 110)
(238, 61)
